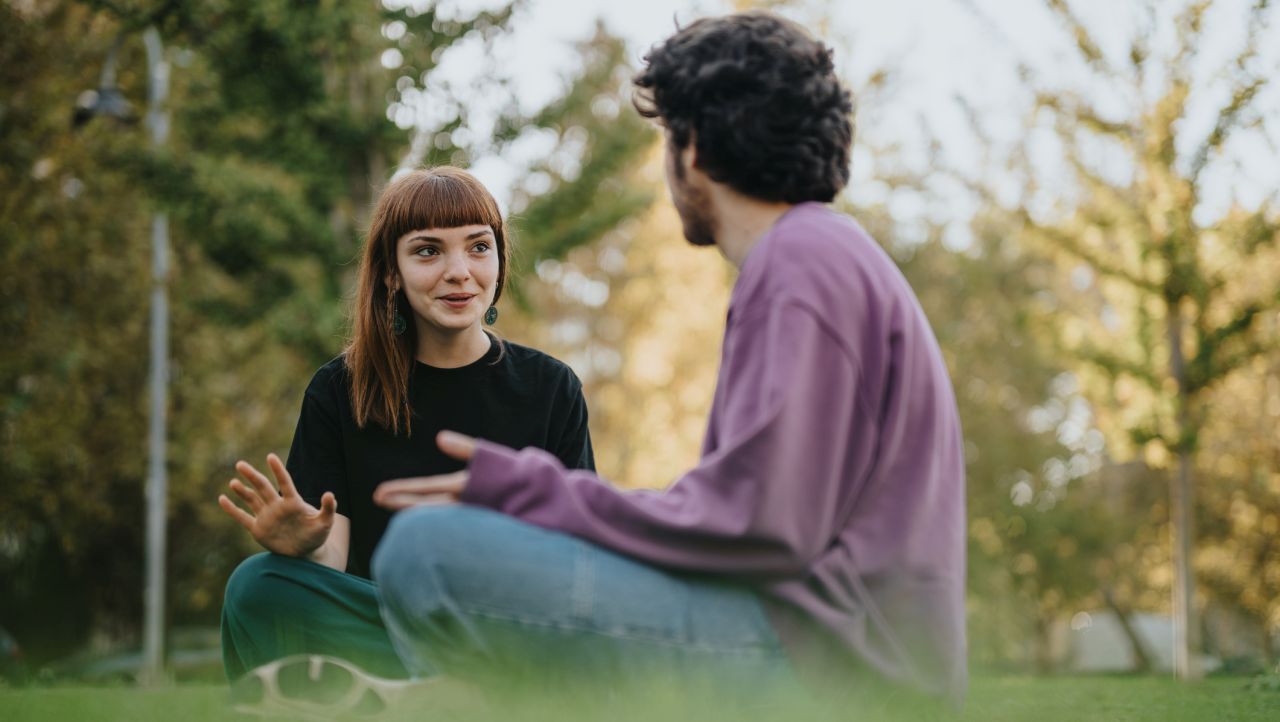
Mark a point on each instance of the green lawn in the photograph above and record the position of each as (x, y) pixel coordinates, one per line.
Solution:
(990, 700)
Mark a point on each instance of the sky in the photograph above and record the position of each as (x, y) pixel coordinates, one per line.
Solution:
(938, 49)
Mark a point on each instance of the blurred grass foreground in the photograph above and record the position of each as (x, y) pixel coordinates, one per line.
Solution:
(992, 699)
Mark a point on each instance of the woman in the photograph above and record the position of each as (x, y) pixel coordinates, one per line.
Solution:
(434, 265)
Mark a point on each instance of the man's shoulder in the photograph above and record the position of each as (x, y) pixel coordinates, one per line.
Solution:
(813, 234)
(818, 255)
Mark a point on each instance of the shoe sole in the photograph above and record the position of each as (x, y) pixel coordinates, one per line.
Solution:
(315, 687)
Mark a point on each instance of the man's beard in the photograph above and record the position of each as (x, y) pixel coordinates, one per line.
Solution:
(694, 206)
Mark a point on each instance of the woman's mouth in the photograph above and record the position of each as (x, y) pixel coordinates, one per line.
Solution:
(457, 300)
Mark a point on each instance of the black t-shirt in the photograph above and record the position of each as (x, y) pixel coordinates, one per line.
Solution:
(525, 398)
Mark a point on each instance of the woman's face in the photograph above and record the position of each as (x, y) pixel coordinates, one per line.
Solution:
(449, 275)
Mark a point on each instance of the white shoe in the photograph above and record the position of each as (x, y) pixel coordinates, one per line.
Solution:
(316, 687)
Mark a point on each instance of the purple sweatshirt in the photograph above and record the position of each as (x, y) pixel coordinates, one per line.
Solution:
(832, 471)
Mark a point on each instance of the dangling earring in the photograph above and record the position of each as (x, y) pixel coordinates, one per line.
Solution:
(491, 316)
(398, 323)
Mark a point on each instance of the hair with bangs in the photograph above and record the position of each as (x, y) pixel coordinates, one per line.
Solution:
(379, 361)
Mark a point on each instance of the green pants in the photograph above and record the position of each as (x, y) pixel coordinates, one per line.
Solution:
(276, 606)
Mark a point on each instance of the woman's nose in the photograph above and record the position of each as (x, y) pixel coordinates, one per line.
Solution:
(456, 268)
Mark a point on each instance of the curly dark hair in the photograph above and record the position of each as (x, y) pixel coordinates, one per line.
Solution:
(761, 98)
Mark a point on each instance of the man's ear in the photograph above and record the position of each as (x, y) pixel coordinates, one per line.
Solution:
(689, 153)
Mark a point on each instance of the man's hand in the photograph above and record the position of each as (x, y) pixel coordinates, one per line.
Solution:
(442, 489)
(281, 521)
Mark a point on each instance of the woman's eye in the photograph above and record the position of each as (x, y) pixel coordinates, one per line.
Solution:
(427, 251)
(480, 247)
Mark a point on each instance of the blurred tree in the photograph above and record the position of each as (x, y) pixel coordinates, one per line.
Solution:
(1040, 528)
(73, 323)
(639, 314)
(1159, 307)
(281, 135)
(1003, 372)
(585, 187)
(1237, 554)
(595, 288)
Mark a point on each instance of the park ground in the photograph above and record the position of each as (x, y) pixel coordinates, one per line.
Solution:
(991, 699)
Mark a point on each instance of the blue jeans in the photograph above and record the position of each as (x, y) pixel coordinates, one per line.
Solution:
(467, 591)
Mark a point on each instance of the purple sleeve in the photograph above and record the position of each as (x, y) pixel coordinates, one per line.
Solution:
(764, 499)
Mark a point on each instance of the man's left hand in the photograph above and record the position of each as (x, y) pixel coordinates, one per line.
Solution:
(400, 494)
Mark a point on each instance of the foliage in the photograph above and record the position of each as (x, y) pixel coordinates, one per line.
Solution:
(588, 177)
(640, 315)
(280, 136)
(1037, 525)
(1163, 297)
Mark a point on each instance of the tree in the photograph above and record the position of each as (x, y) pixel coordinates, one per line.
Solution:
(280, 136)
(586, 186)
(1237, 556)
(1043, 523)
(639, 314)
(1162, 316)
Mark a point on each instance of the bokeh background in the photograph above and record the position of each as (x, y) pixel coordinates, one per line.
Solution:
(1083, 195)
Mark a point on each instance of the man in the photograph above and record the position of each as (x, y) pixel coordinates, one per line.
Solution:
(823, 527)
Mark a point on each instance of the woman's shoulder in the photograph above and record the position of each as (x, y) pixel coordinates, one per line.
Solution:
(527, 361)
(330, 378)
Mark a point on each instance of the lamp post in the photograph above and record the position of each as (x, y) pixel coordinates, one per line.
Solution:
(108, 101)
(157, 479)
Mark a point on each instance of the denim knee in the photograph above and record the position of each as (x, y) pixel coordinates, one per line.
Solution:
(410, 564)
(409, 551)
(417, 537)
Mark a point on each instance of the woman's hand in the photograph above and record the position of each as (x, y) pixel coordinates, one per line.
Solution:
(430, 490)
(281, 521)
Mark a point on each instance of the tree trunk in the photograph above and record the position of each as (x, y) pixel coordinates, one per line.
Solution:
(1185, 629)
(1044, 662)
(1141, 659)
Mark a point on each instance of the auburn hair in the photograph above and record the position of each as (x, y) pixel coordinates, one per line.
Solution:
(380, 362)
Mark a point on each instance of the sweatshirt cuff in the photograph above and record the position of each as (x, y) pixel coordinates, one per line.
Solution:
(492, 469)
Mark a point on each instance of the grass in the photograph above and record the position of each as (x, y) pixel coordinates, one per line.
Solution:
(990, 700)
(1118, 698)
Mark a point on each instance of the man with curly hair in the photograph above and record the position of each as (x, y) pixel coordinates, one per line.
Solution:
(821, 534)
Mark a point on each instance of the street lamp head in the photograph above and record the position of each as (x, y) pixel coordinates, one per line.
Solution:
(106, 101)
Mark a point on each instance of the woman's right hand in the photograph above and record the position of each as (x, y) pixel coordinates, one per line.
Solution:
(282, 521)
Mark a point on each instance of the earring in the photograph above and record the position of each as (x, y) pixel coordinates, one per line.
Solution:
(398, 323)
(491, 316)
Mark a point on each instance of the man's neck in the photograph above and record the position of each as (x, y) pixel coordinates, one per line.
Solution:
(742, 221)
(451, 350)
